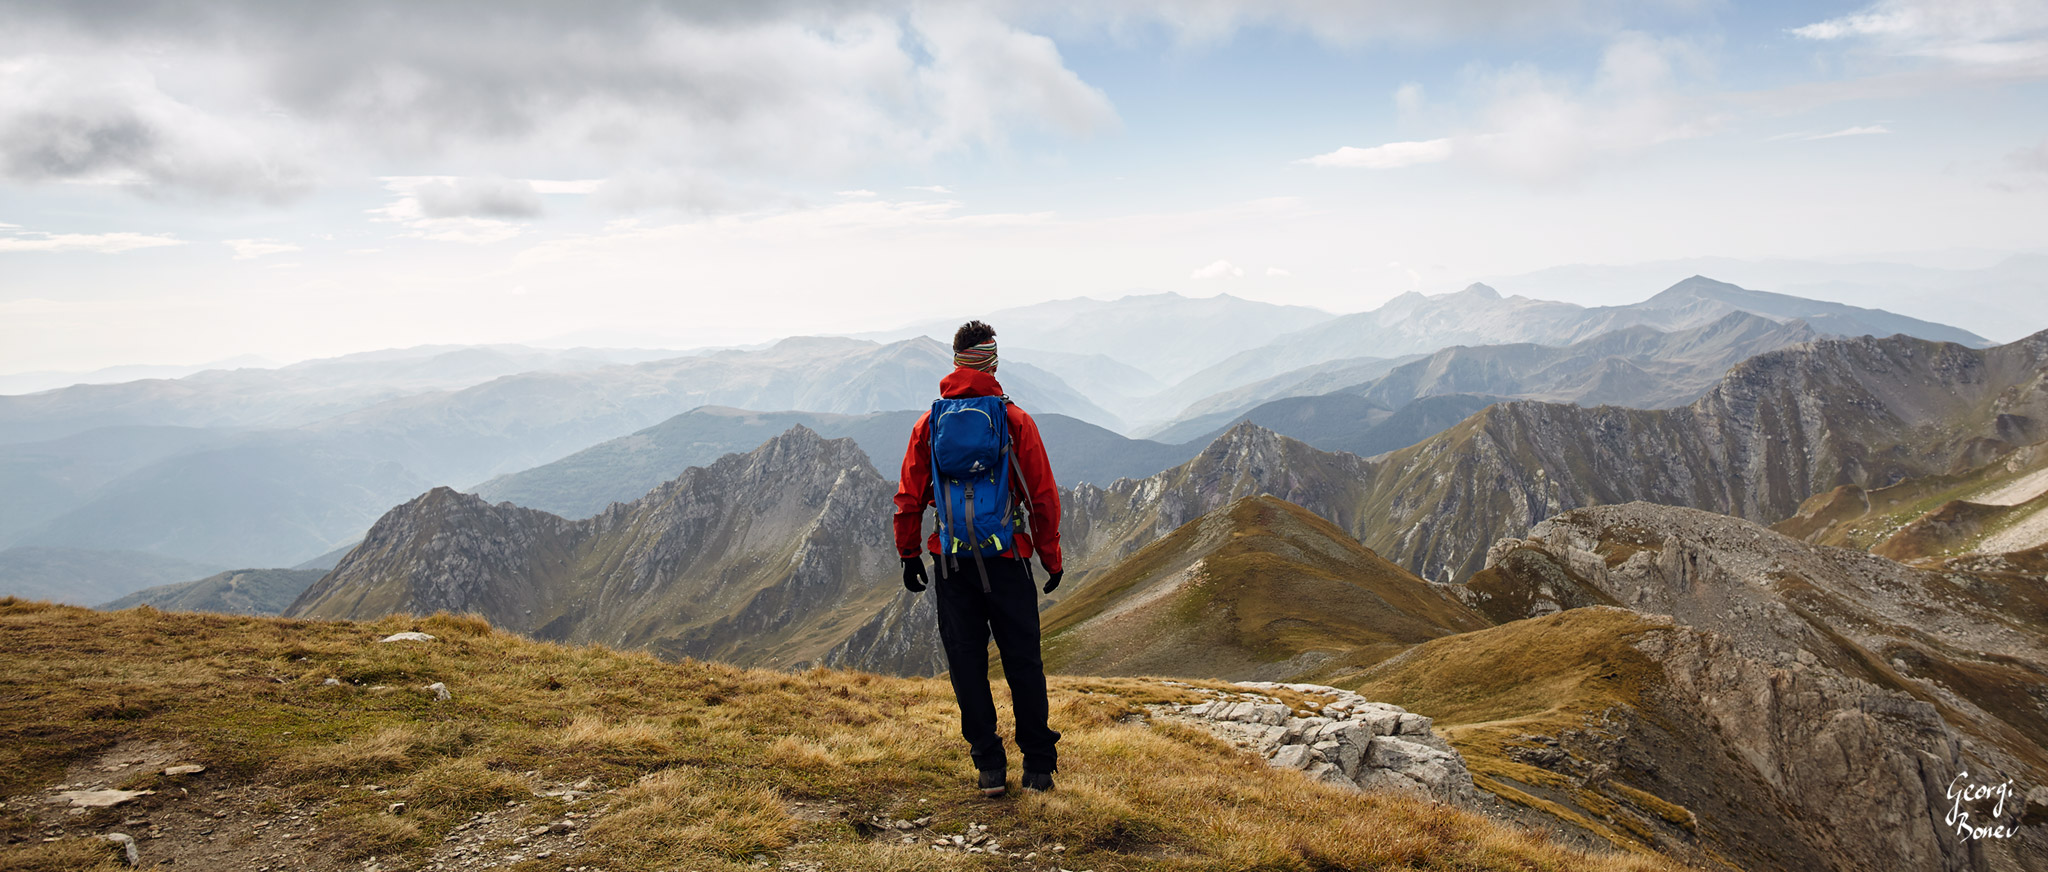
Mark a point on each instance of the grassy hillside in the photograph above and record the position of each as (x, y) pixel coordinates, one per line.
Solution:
(1260, 589)
(551, 757)
(1993, 508)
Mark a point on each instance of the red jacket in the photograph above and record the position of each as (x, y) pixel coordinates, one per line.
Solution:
(914, 486)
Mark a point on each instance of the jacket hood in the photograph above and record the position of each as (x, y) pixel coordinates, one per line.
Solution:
(964, 382)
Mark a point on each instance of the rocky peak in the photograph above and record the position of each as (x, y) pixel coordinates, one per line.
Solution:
(1479, 291)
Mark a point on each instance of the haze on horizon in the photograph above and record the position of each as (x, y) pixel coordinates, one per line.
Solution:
(295, 181)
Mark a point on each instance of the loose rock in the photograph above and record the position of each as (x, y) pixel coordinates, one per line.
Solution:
(407, 637)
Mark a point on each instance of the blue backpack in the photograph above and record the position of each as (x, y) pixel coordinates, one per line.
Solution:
(971, 463)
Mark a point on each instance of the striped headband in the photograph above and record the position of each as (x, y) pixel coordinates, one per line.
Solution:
(981, 357)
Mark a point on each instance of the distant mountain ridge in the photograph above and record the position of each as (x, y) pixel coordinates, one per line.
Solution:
(235, 592)
(286, 396)
(1166, 335)
(84, 577)
(1778, 428)
(623, 469)
(781, 557)
(1416, 324)
(1638, 367)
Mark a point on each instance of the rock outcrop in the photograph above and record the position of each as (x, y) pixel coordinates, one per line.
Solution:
(1342, 738)
(1850, 690)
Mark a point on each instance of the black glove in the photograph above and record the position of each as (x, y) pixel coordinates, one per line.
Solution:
(913, 574)
(1054, 581)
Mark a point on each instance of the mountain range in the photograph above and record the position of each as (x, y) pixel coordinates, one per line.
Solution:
(225, 469)
(1639, 367)
(771, 558)
(1585, 600)
(1417, 324)
(623, 469)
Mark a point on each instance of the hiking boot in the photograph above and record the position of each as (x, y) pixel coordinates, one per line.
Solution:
(993, 782)
(1037, 781)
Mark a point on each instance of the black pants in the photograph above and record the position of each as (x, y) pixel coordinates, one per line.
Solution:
(1009, 611)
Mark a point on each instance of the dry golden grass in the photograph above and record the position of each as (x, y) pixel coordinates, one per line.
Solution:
(708, 761)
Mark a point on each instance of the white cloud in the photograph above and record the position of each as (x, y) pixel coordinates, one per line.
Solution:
(1392, 155)
(1221, 269)
(249, 249)
(248, 99)
(1278, 273)
(1974, 32)
(565, 186)
(1865, 130)
(14, 239)
(1537, 128)
(935, 189)
(862, 194)
(453, 209)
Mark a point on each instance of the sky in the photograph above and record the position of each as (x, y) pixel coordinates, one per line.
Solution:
(184, 183)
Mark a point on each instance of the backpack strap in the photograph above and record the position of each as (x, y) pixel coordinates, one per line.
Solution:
(1024, 486)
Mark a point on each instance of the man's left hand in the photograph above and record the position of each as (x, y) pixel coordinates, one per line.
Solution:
(1053, 582)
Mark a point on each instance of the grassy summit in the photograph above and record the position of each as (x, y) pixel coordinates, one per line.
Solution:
(586, 757)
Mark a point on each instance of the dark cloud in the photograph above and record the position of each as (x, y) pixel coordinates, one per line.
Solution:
(244, 97)
(51, 145)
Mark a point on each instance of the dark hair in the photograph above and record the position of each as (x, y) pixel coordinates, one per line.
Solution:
(971, 334)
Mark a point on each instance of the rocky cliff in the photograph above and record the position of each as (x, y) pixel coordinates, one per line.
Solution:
(1778, 428)
(1846, 693)
(777, 557)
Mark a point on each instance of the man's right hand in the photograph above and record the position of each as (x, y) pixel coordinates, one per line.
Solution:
(913, 574)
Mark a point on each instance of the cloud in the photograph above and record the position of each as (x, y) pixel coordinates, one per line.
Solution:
(477, 198)
(1537, 128)
(688, 191)
(562, 186)
(1865, 130)
(862, 194)
(1392, 155)
(250, 249)
(257, 100)
(13, 239)
(2032, 159)
(935, 189)
(1221, 269)
(1357, 22)
(453, 209)
(1972, 32)
(1278, 273)
(104, 121)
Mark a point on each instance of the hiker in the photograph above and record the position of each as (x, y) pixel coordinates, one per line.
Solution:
(982, 550)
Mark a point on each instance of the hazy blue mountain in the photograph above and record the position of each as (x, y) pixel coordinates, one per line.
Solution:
(518, 422)
(47, 379)
(1416, 324)
(1104, 380)
(82, 577)
(1996, 295)
(1637, 367)
(327, 561)
(235, 592)
(267, 499)
(41, 480)
(1166, 335)
(626, 468)
(288, 396)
